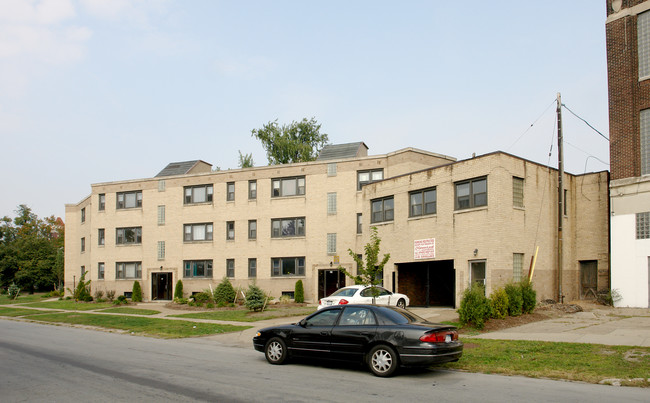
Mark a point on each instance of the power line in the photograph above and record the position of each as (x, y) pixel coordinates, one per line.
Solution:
(587, 123)
(531, 125)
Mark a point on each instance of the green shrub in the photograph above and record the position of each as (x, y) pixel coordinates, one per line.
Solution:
(181, 301)
(110, 294)
(136, 294)
(299, 292)
(255, 298)
(528, 296)
(178, 291)
(499, 303)
(13, 291)
(202, 297)
(209, 305)
(474, 307)
(120, 300)
(99, 295)
(515, 300)
(224, 293)
(82, 291)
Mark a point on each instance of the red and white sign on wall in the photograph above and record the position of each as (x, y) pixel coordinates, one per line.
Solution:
(424, 248)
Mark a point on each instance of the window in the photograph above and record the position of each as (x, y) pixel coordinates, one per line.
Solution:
(129, 199)
(126, 270)
(100, 271)
(288, 186)
(471, 193)
(422, 202)
(128, 236)
(83, 215)
(517, 192)
(252, 190)
(323, 318)
(643, 225)
(369, 176)
(643, 38)
(161, 250)
(331, 244)
(198, 194)
(477, 272)
(197, 268)
(83, 244)
(645, 141)
(331, 169)
(252, 268)
(230, 230)
(359, 223)
(566, 201)
(331, 203)
(288, 266)
(382, 209)
(101, 237)
(161, 215)
(230, 268)
(161, 185)
(287, 227)
(83, 270)
(102, 202)
(252, 229)
(230, 191)
(517, 266)
(197, 232)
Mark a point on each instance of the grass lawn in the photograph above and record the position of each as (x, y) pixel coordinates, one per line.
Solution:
(571, 361)
(244, 315)
(13, 312)
(131, 311)
(71, 305)
(163, 328)
(22, 298)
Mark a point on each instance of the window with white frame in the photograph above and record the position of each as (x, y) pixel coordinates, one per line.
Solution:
(101, 205)
(198, 194)
(252, 229)
(101, 236)
(197, 269)
(230, 230)
(368, 176)
(284, 187)
(100, 270)
(230, 268)
(128, 236)
(517, 191)
(252, 190)
(331, 169)
(422, 202)
(331, 244)
(643, 44)
(230, 191)
(287, 227)
(198, 232)
(252, 268)
(382, 209)
(161, 185)
(643, 225)
(128, 270)
(517, 266)
(645, 141)
(127, 200)
(331, 203)
(161, 250)
(287, 266)
(161, 215)
(471, 193)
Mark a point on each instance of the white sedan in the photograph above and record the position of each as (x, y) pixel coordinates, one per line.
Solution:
(362, 294)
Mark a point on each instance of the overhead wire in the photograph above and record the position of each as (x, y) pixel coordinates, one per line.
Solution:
(587, 123)
(531, 125)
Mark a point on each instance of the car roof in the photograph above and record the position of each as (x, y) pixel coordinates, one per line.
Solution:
(359, 286)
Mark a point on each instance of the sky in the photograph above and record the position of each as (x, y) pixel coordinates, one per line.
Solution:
(95, 91)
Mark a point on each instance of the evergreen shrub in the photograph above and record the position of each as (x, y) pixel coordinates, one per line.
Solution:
(178, 291)
(224, 293)
(136, 294)
(474, 307)
(499, 303)
(255, 298)
(515, 300)
(528, 295)
(299, 292)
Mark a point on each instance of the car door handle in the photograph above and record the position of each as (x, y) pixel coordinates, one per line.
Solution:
(324, 333)
(366, 333)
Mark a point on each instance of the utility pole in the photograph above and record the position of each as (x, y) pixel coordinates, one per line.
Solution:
(560, 198)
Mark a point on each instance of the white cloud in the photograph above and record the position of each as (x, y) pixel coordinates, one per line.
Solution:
(250, 68)
(36, 12)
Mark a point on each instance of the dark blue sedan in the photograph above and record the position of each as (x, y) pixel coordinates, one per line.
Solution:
(383, 337)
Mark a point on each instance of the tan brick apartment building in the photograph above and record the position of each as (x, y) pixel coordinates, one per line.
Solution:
(444, 222)
(628, 67)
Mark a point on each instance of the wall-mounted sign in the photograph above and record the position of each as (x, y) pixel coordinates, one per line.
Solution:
(424, 248)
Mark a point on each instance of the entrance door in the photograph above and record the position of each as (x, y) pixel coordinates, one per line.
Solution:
(477, 272)
(329, 281)
(161, 286)
(588, 279)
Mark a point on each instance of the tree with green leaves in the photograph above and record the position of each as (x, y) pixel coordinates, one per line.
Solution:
(136, 292)
(369, 272)
(296, 142)
(246, 160)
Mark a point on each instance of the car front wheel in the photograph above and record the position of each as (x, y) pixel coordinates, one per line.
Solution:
(401, 303)
(276, 351)
(382, 360)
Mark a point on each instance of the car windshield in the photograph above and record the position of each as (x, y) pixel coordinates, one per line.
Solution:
(344, 292)
(398, 316)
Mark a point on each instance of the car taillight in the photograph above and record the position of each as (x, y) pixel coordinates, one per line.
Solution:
(343, 302)
(320, 302)
(445, 336)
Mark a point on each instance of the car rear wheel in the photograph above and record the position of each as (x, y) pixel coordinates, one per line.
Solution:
(382, 360)
(276, 351)
(401, 303)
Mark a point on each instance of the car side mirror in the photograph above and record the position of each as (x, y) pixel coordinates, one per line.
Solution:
(302, 323)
